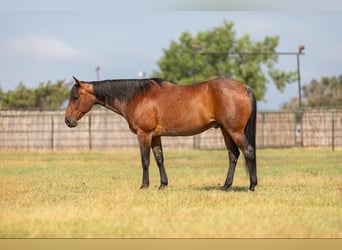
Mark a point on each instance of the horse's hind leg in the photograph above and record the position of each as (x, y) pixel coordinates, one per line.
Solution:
(158, 156)
(233, 152)
(250, 157)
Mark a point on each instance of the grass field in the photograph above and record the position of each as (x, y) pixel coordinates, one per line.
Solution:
(96, 194)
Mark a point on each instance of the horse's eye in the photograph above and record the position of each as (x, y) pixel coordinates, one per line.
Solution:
(76, 97)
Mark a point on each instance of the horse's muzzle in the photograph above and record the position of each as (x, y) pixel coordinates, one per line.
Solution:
(71, 122)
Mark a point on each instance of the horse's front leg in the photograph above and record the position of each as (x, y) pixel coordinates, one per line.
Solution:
(145, 148)
(158, 156)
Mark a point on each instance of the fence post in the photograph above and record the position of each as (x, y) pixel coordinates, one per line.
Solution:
(299, 121)
(301, 128)
(263, 129)
(89, 132)
(295, 128)
(197, 141)
(333, 130)
(52, 133)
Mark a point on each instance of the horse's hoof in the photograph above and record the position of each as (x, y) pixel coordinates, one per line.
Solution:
(162, 186)
(226, 188)
(144, 186)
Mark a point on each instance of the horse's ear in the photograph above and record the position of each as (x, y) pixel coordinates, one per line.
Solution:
(77, 82)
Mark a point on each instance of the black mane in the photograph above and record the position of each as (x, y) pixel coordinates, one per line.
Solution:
(123, 90)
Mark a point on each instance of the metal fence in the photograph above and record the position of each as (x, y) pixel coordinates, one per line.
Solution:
(101, 129)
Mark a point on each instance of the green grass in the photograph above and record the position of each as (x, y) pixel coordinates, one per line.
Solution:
(96, 194)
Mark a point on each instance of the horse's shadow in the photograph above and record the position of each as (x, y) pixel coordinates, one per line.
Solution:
(219, 188)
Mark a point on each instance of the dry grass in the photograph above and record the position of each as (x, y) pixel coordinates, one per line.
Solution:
(95, 194)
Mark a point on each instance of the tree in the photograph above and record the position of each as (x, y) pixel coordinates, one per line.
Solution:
(177, 63)
(51, 95)
(324, 93)
(47, 96)
(21, 97)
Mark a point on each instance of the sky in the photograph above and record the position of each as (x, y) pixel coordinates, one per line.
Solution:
(54, 40)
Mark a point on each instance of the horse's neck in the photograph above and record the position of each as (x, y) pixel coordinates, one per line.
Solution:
(117, 107)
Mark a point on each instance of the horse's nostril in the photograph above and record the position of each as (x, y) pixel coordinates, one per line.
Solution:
(67, 122)
(70, 122)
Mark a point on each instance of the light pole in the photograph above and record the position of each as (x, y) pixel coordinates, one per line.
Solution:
(300, 52)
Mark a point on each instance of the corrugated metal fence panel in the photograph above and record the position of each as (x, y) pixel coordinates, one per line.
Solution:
(66, 138)
(276, 129)
(212, 139)
(109, 130)
(26, 130)
(321, 128)
(101, 129)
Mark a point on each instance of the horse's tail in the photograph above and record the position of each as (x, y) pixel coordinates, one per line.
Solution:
(250, 129)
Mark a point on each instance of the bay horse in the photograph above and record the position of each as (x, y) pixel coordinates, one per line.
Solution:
(154, 108)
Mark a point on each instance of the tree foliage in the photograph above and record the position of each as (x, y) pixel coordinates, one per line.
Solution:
(177, 63)
(46, 96)
(324, 93)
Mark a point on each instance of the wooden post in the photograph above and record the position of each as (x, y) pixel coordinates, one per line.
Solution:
(52, 133)
(333, 131)
(89, 133)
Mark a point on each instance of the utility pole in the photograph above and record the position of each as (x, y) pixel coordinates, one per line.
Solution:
(97, 73)
(300, 52)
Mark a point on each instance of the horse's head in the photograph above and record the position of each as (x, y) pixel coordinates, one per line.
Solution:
(80, 102)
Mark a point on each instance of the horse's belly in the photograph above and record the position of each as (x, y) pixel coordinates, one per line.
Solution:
(186, 128)
(188, 116)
